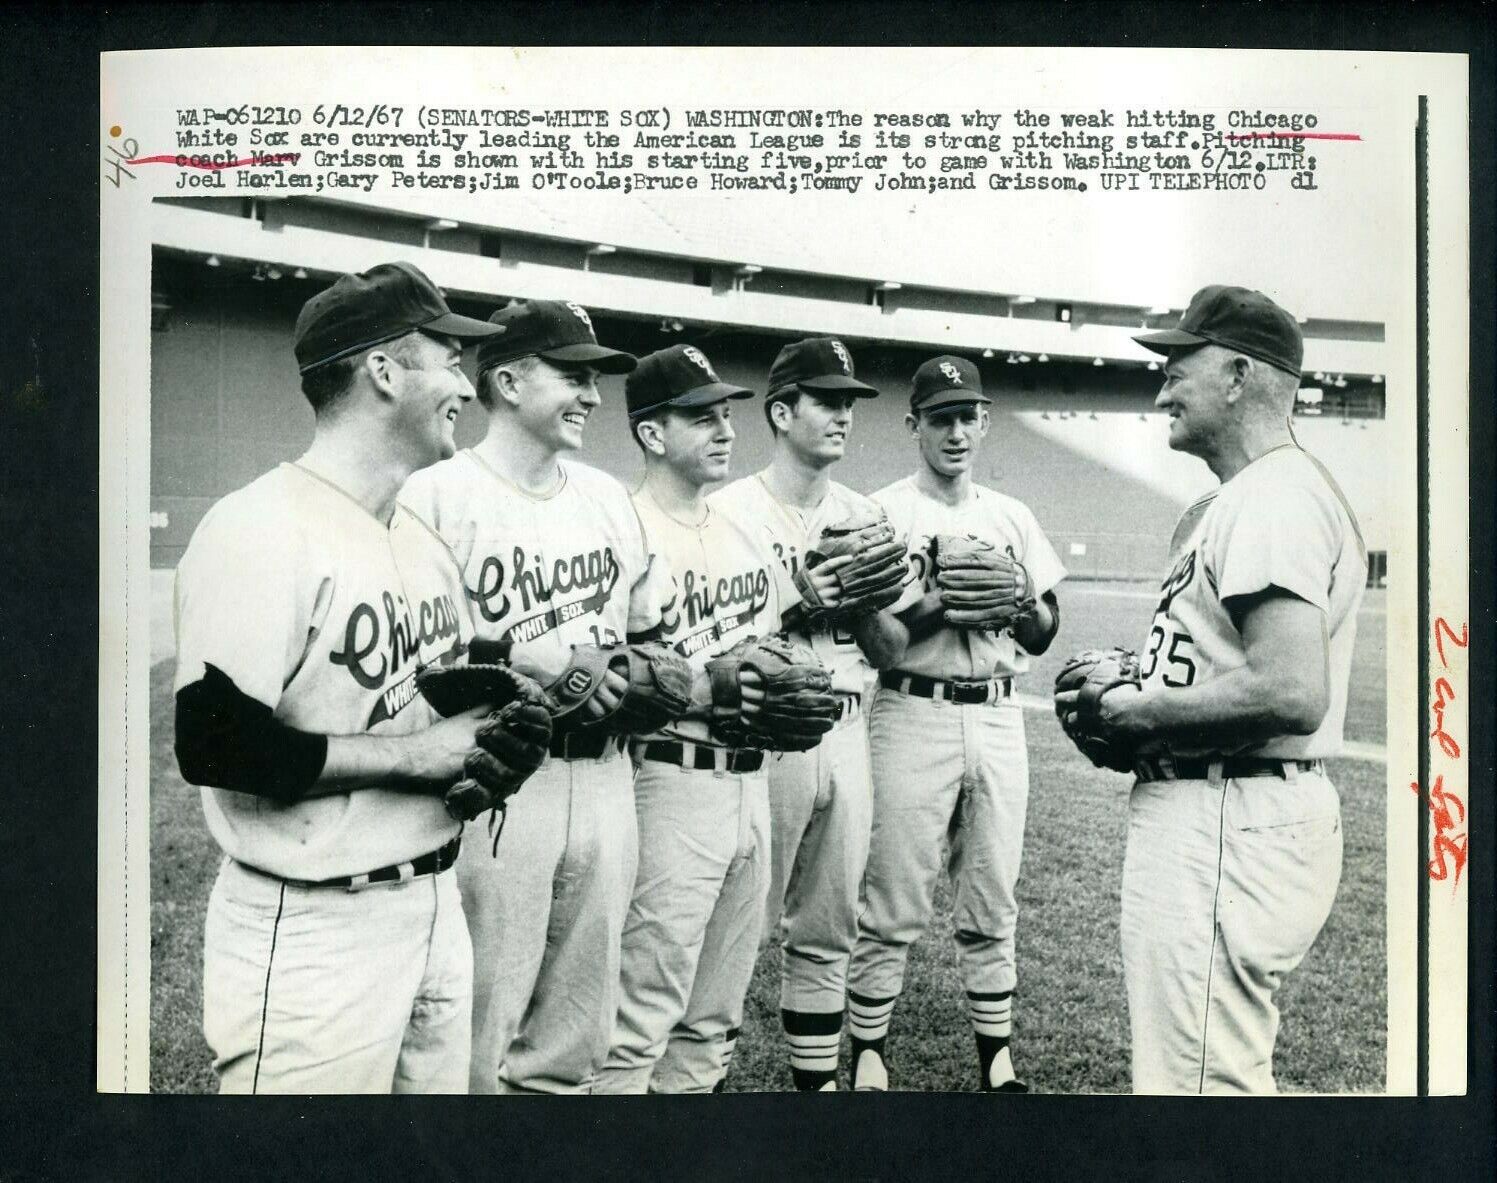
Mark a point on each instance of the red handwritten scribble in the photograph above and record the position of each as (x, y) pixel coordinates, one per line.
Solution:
(1443, 805)
(208, 162)
(1443, 631)
(1292, 135)
(1444, 696)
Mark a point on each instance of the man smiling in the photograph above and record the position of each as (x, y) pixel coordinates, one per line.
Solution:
(553, 556)
(335, 957)
(950, 763)
(693, 930)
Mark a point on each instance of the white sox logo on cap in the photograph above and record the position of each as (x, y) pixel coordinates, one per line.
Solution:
(843, 356)
(951, 372)
(581, 314)
(692, 353)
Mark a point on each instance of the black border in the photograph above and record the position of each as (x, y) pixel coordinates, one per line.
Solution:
(56, 1127)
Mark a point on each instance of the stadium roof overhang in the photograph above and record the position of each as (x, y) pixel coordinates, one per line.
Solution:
(480, 277)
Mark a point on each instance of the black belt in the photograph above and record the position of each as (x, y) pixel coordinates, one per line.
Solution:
(703, 758)
(427, 864)
(966, 693)
(582, 745)
(1151, 768)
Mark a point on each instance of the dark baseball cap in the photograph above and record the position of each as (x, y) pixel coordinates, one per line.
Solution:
(820, 364)
(371, 307)
(680, 376)
(946, 381)
(558, 331)
(1238, 319)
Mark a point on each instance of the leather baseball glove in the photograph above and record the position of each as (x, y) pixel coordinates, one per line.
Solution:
(870, 581)
(654, 687)
(981, 587)
(798, 707)
(1079, 688)
(510, 744)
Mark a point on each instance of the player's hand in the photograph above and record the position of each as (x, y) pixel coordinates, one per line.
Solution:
(824, 579)
(751, 689)
(606, 698)
(435, 756)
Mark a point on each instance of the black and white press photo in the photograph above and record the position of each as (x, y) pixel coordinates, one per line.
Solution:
(692, 580)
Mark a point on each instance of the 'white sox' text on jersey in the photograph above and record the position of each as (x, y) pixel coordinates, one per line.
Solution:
(570, 568)
(791, 532)
(729, 586)
(992, 517)
(311, 606)
(1280, 522)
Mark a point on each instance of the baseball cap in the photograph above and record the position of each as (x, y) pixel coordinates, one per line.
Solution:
(1237, 319)
(557, 330)
(680, 376)
(944, 382)
(368, 308)
(817, 364)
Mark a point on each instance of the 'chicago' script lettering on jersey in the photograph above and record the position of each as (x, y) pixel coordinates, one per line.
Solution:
(436, 620)
(595, 571)
(722, 605)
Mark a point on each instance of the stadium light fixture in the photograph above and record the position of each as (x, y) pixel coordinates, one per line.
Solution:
(299, 273)
(1153, 365)
(1012, 360)
(1043, 357)
(212, 261)
(273, 273)
(1319, 376)
(1097, 361)
(1024, 359)
(258, 274)
(1378, 378)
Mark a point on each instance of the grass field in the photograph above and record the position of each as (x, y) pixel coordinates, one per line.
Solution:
(1070, 1016)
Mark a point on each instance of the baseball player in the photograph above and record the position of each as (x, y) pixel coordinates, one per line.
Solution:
(1234, 830)
(335, 956)
(950, 766)
(692, 935)
(553, 555)
(821, 800)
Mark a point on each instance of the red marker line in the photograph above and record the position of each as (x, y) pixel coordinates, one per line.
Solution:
(199, 162)
(1291, 135)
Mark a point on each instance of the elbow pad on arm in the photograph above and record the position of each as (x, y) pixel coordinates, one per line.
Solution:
(228, 740)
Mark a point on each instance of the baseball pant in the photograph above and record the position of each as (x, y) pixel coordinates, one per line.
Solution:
(821, 808)
(945, 776)
(1226, 885)
(330, 990)
(691, 938)
(545, 913)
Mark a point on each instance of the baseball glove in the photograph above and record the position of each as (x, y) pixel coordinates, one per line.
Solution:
(981, 587)
(1084, 679)
(452, 689)
(798, 706)
(657, 686)
(510, 743)
(868, 583)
